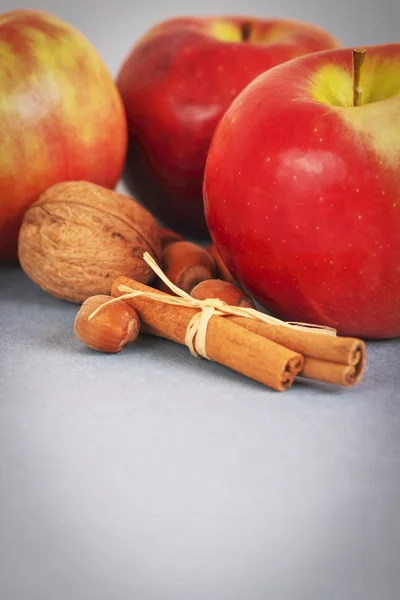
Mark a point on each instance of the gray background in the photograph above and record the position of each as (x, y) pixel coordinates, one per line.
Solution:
(153, 476)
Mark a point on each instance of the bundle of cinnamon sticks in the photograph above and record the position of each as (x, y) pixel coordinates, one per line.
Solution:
(269, 353)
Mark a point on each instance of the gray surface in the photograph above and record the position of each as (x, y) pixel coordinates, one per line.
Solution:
(152, 475)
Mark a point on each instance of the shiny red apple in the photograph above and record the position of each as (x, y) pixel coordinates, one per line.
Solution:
(176, 84)
(302, 190)
(61, 116)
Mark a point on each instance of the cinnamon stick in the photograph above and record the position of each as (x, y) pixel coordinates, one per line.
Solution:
(331, 359)
(332, 372)
(227, 342)
(345, 350)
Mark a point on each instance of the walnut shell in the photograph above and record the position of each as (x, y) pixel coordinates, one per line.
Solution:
(78, 237)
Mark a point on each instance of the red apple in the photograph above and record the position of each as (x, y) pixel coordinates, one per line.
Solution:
(177, 82)
(302, 192)
(61, 116)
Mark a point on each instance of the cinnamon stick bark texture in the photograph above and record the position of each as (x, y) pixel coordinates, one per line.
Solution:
(344, 350)
(227, 343)
(337, 360)
(332, 372)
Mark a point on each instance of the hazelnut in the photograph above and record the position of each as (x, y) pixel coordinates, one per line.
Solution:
(78, 237)
(111, 328)
(222, 269)
(186, 264)
(229, 293)
(168, 237)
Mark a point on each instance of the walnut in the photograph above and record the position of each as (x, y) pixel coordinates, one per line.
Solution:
(78, 237)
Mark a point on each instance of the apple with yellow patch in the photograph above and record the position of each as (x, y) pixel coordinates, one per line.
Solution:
(302, 190)
(61, 115)
(176, 84)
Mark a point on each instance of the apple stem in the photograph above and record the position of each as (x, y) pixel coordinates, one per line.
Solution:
(358, 63)
(246, 31)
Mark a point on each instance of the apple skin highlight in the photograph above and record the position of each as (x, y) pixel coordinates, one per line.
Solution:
(302, 196)
(176, 84)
